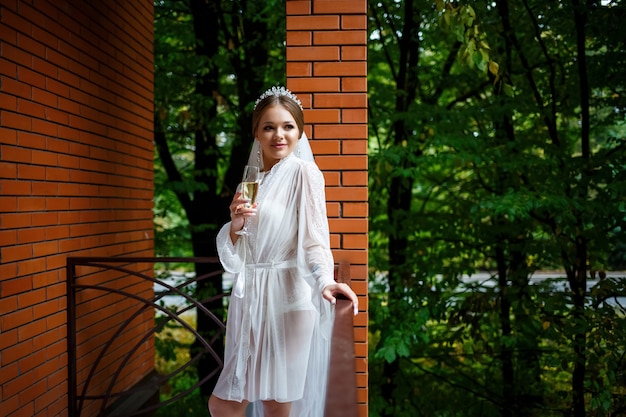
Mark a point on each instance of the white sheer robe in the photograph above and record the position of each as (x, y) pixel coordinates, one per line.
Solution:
(278, 325)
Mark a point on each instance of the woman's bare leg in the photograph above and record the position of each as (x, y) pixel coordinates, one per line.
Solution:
(226, 408)
(276, 409)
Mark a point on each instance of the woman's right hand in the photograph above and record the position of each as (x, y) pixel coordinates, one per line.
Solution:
(238, 213)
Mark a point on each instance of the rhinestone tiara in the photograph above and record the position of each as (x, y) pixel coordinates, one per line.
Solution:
(278, 92)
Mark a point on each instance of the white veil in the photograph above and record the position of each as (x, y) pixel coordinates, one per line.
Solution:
(302, 151)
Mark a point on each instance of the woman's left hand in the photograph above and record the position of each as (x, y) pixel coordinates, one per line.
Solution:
(331, 290)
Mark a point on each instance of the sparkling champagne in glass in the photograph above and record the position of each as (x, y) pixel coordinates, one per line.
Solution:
(249, 189)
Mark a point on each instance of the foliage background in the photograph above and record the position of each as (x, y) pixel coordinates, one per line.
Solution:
(497, 146)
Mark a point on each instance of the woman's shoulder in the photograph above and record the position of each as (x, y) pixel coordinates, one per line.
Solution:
(310, 174)
(307, 168)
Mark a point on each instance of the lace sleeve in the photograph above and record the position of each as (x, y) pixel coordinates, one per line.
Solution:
(228, 253)
(315, 235)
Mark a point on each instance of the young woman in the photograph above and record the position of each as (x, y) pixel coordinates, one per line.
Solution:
(280, 315)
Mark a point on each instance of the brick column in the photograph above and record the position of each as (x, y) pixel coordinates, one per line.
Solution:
(327, 69)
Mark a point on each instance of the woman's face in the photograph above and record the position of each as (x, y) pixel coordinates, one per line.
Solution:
(278, 135)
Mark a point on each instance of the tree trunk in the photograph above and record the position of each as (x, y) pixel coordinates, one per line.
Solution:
(509, 392)
(578, 280)
(400, 189)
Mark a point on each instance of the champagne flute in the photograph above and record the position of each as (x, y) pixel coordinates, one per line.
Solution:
(249, 189)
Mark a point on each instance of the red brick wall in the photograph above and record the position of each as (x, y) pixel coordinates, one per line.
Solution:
(76, 164)
(327, 69)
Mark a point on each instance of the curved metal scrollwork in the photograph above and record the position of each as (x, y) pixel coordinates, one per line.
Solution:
(126, 267)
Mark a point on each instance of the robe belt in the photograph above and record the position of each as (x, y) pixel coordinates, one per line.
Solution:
(289, 263)
(240, 283)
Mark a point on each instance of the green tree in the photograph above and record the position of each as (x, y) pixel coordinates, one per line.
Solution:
(485, 157)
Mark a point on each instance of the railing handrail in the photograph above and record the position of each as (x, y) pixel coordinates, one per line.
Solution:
(341, 393)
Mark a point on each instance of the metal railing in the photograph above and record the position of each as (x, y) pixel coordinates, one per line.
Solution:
(126, 266)
(113, 401)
